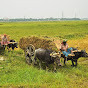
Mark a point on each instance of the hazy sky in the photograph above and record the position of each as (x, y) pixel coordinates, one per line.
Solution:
(43, 8)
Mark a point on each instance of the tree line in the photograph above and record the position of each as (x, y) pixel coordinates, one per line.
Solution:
(40, 19)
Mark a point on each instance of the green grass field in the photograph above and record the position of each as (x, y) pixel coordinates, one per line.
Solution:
(17, 74)
(64, 29)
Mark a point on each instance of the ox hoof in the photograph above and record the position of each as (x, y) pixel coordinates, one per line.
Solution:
(72, 65)
(60, 65)
(64, 64)
(75, 65)
(55, 71)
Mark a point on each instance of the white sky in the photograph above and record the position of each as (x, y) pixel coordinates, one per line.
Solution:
(43, 8)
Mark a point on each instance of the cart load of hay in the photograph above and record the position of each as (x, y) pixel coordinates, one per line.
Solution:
(37, 43)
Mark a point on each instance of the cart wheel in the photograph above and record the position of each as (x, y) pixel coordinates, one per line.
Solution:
(29, 53)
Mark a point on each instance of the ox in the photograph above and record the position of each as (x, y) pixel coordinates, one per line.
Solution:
(13, 45)
(77, 55)
(48, 57)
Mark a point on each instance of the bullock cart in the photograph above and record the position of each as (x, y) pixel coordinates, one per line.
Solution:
(29, 45)
(2, 47)
(5, 46)
(29, 53)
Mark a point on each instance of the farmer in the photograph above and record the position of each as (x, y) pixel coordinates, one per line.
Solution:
(4, 40)
(65, 50)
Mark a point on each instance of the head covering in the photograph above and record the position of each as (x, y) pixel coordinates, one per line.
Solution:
(65, 40)
(5, 34)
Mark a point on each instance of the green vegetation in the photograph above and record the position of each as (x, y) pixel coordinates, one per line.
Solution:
(63, 29)
(17, 74)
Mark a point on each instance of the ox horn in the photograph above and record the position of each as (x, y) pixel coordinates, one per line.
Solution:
(54, 54)
(79, 50)
(76, 51)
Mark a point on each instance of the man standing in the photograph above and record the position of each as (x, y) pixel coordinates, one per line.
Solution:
(4, 40)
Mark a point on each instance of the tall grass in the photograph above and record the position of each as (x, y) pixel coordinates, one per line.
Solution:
(16, 73)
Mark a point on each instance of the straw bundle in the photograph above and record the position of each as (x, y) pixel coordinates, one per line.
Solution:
(37, 42)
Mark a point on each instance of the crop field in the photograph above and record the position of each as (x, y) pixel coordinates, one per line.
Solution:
(66, 29)
(16, 73)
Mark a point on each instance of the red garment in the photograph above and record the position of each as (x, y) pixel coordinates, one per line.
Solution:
(4, 41)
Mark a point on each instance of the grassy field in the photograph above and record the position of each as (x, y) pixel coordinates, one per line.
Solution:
(17, 74)
(63, 29)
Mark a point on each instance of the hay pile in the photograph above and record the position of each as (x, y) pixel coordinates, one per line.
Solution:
(81, 43)
(37, 42)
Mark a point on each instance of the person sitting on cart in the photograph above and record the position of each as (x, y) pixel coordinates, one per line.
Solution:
(65, 50)
(4, 40)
